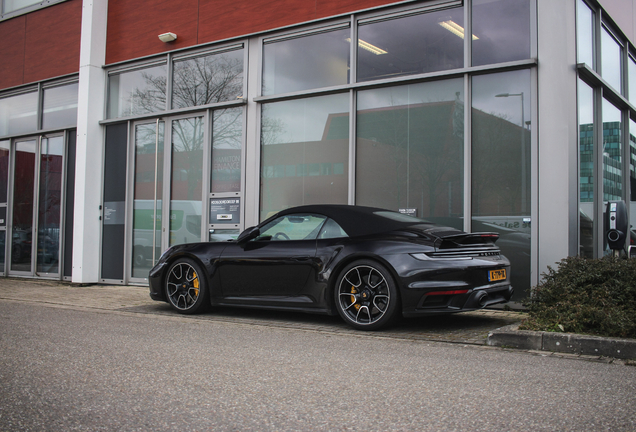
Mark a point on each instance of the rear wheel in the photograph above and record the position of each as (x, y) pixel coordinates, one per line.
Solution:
(366, 295)
(186, 288)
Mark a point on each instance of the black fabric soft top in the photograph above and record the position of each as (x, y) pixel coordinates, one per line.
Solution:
(359, 221)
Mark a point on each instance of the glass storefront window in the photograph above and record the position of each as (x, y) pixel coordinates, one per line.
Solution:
(409, 149)
(303, 63)
(631, 66)
(304, 152)
(501, 141)
(410, 45)
(612, 156)
(137, 92)
(207, 79)
(14, 5)
(60, 106)
(4, 171)
(501, 30)
(227, 144)
(49, 206)
(586, 170)
(187, 180)
(18, 114)
(632, 174)
(3, 240)
(221, 235)
(610, 60)
(585, 34)
(612, 153)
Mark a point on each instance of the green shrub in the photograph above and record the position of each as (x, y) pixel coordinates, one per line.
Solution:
(592, 296)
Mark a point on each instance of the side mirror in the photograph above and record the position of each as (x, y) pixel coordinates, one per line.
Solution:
(249, 234)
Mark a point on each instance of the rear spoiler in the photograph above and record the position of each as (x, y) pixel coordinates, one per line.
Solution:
(452, 241)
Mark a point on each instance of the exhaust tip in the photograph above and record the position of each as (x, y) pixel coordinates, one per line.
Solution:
(481, 299)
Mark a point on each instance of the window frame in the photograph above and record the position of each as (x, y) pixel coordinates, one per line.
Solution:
(26, 9)
(39, 88)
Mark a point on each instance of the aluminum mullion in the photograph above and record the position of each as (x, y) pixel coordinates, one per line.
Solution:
(36, 201)
(598, 173)
(40, 107)
(467, 153)
(468, 24)
(154, 204)
(353, 117)
(128, 208)
(206, 171)
(169, 78)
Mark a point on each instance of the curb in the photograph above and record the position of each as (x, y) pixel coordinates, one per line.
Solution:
(570, 343)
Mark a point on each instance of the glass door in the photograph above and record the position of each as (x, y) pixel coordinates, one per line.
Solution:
(37, 206)
(23, 206)
(181, 165)
(147, 197)
(49, 210)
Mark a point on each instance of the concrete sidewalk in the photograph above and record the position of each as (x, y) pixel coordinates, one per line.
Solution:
(465, 328)
(496, 328)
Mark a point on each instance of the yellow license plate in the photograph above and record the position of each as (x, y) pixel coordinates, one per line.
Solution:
(496, 275)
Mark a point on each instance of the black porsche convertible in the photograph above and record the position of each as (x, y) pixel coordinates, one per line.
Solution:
(367, 264)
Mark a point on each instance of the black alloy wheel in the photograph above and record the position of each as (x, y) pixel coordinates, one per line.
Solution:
(186, 288)
(366, 295)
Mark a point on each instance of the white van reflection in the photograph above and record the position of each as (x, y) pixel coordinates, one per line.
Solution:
(185, 227)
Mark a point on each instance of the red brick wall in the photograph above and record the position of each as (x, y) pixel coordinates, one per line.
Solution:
(133, 26)
(40, 45)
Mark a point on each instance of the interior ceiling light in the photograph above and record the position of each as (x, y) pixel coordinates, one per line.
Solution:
(455, 28)
(369, 47)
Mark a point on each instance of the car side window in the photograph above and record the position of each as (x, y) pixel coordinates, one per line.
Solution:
(292, 227)
(331, 229)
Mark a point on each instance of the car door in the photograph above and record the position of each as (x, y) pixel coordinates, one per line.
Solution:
(274, 267)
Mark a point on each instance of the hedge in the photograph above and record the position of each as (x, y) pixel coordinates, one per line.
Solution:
(590, 296)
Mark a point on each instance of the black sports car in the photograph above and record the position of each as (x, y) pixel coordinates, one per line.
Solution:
(367, 264)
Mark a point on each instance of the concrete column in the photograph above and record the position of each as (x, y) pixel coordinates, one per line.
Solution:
(90, 143)
(557, 156)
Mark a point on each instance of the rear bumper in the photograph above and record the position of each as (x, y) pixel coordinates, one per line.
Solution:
(474, 299)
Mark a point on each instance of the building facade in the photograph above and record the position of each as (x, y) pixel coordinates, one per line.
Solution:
(127, 127)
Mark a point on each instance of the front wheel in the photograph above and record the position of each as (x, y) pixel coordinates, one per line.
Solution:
(186, 288)
(366, 295)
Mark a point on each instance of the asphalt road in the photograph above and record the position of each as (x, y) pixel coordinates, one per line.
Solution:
(62, 368)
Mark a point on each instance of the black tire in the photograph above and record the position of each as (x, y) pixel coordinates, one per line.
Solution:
(366, 295)
(186, 287)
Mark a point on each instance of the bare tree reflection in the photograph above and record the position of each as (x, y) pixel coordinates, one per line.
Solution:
(206, 80)
(196, 81)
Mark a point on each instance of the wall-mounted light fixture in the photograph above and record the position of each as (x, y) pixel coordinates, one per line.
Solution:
(167, 37)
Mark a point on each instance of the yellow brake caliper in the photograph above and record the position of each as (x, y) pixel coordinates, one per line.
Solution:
(195, 282)
(353, 298)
